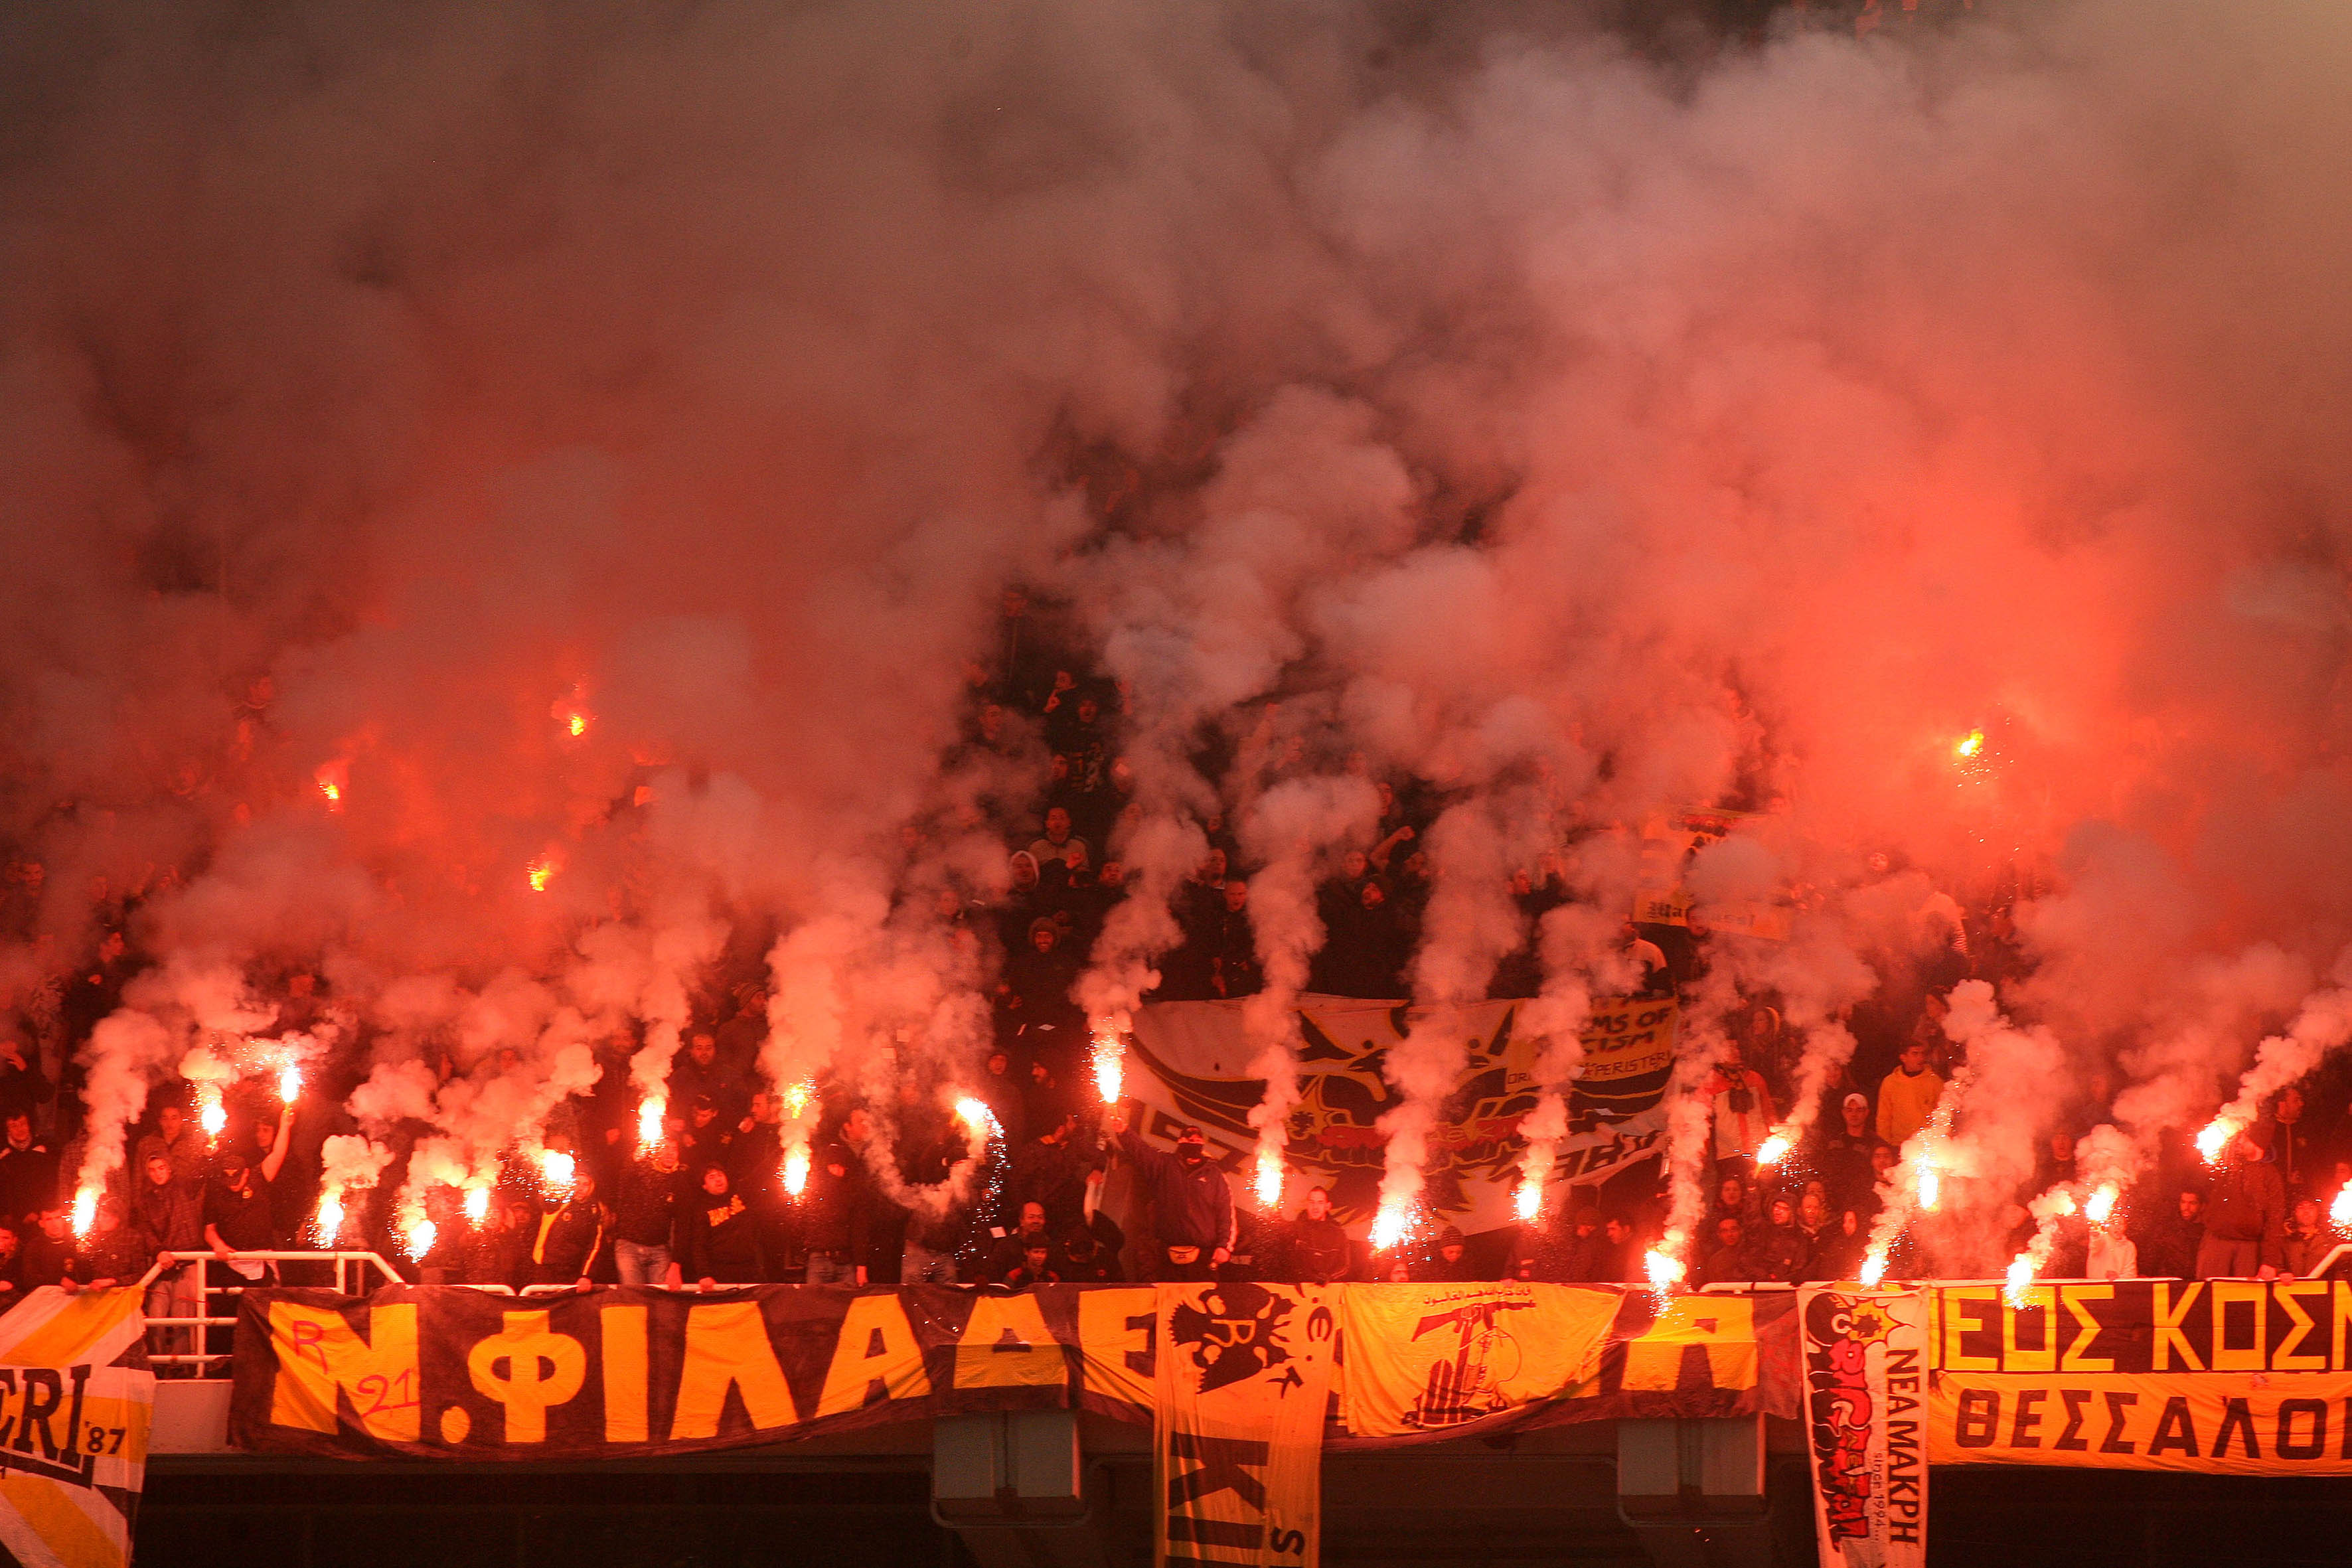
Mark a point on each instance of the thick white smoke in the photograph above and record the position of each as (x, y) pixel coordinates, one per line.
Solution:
(601, 469)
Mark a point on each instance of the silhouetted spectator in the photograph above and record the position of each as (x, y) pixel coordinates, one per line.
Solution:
(834, 1210)
(1317, 1250)
(2173, 1242)
(2245, 1212)
(1192, 1203)
(718, 1242)
(1447, 1262)
(28, 1170)
(645, 1222)
(572, 1234)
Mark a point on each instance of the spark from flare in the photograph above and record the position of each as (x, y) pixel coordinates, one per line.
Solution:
(335, 794)
(2102, 1205)
(2020, 1277)
(577, 724)
(84, 1210)
(796, 1171)
(478, 1205)
(1968, 745)
(1110, 1061)
(2216, 1138)
(1873, 1270)
(650, 1111)
(540, 872)
(1772, 1150)
(1269, 1179)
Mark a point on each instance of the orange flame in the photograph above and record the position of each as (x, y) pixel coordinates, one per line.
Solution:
(1968, 745)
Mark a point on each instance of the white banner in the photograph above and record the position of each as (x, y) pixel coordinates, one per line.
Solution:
(1194, 1062)
(1865, 1419)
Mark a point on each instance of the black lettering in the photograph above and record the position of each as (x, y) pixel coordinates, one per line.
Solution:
(2236, 1417)
(2174, 1430)
(1979, 1418)
(2029, 1418)
(2289, 1446)
(38, 1381)
(2113, 1442)
(2077, 1400)
(1223, 1465)
(1144, 1361)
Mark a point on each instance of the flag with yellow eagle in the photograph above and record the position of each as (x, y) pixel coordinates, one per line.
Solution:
(75, 1399)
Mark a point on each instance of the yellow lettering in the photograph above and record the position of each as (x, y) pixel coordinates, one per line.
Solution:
(1724, 1325)
(2224, 1293)
(1958, 1321)
(319, 1357)
(2168, 1328)
(1115, 1329)
(2041, 1298)
(542, 1369)
(727, 1347)
(2086, 1328)
(2301, 1324)
(1006, 1344)
(623, 1337)
(2339, 1312)
(877, 1344)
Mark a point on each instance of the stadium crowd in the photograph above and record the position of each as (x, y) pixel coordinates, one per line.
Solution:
(705, 1206)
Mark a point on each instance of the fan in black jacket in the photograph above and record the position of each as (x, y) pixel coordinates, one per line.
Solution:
(718, 1241)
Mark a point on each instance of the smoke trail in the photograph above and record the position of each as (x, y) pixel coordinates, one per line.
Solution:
(1289, 828)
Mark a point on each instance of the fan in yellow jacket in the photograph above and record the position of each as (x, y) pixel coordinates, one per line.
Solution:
(1907, 1096)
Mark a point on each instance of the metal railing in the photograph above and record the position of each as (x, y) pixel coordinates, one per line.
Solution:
(186, 1329)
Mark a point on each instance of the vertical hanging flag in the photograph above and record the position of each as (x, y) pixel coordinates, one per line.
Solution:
(1866, 1405)
(1245, 1373)
(76, 1392)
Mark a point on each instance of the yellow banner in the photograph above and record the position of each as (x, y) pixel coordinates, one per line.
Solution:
(1244, 1375)
(79, 1422)
(2217, 1424)
(1429, 1357)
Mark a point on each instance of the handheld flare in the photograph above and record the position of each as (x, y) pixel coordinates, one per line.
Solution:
(796, 1170)
(420, 1236)
(84, 1210)
(330, 1216)
(650, 1111)
(1873, 1270)
(1388, 1229)
(1529, 1201)
(557, 1169)
(2339, 1213)
(2020, 1275)
(1269, 1179)
(1110, 1061)
(2216, 1138)
(1665, 1269)
(289, 1083)
(1773, 1149)
(2101, 1205)
(478, 1205)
